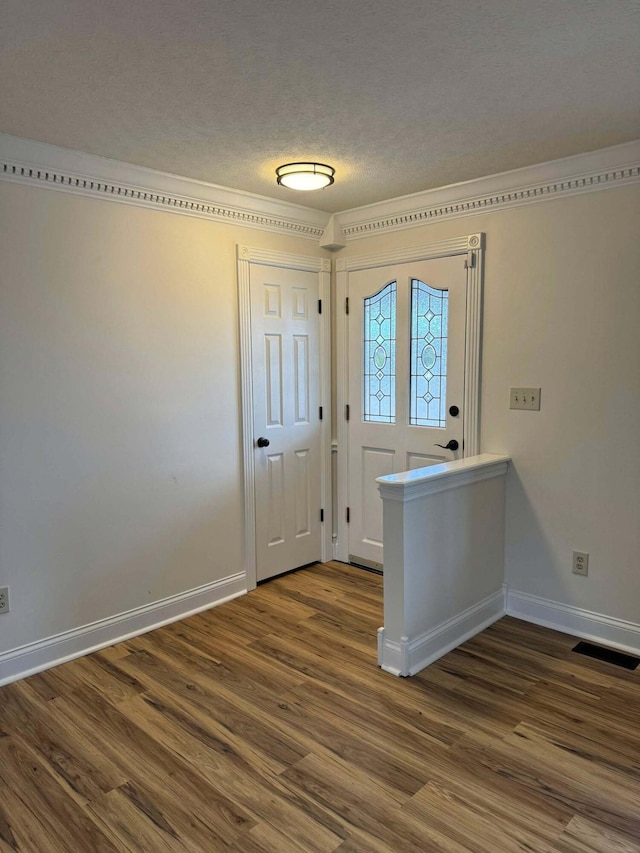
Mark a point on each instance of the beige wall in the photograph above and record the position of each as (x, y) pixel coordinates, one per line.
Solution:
(120, 459)
(120, 463)
(562, 311)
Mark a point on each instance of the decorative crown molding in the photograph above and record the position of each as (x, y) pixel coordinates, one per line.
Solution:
(24, 161)
(616, 166)
(33, 163)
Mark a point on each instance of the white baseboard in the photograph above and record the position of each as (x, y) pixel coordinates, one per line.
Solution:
(409, 657)
(597, 627)
(393, 656)
(43, 654)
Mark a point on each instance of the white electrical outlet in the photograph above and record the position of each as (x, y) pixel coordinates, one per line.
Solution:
(4, 599)
(525, 398)
(580, 563)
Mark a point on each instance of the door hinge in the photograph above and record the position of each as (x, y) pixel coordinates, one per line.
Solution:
(346, 305)
(321, 515)
(346, 412)
(348, 515)
(319, 306)
(320, 412)
(470, 261)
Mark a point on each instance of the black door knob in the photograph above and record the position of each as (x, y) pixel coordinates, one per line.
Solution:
(262, 442)
(454, 411)
(450, 445)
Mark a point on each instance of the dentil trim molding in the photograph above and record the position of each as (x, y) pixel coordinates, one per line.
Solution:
(33, 163)
(24, 161)
(616, 166)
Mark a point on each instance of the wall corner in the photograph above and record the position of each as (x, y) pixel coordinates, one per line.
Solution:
(332, 237)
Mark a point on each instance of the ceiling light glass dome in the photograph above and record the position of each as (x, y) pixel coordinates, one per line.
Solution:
(305, 176)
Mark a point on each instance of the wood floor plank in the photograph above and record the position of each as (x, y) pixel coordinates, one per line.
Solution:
(237, 712)
(266, 726)
(43, 816)
(265, 838)
(474, 797)
(594, 789)
(157, 777)
(74, 757)
(106, 677)
(225, 663)
(384, 828)
(387, 695)
(588, 836)
(552, 778)
(232, 767)
(401, 759)
(56, 682)
(134, 829)
(603, 753)
(473, 829)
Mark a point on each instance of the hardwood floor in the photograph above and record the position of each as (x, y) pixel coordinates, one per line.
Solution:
(265, 725)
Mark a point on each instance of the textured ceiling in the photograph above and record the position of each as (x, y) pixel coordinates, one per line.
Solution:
(398, 95)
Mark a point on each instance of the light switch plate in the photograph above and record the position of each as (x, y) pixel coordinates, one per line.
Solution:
(525, 398)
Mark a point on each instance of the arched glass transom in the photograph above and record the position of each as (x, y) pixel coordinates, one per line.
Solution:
(429, 324)
(380, 356)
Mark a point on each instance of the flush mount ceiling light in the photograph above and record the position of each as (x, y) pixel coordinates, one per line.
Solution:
(305, 176)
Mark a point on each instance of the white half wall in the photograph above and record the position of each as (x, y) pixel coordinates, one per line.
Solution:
(443, 558)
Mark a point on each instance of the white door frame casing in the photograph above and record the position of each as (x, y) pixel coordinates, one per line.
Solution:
(247, 255)
(471, 245)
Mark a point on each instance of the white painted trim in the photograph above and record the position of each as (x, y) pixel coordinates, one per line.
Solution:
(283, 260)
(597, 627)
(246, 255)
(28, 162)
(410, 485)
(341, 544)
(326, 450)
(616, 166)
(25, 161)
(246, 394)
(393, 657)
(43, 654)
(423, 252)
(405, 659)
(408, 658)
(333, 238)
(473, 346)
(334, 500)
(471, 245)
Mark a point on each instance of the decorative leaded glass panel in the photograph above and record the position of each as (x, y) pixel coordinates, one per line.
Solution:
(429, 324)
(380, 356)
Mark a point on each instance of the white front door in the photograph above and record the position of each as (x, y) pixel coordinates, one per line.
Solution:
(287, 439)
(406, 359)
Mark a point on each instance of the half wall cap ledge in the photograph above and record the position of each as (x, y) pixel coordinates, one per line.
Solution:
(410, 485)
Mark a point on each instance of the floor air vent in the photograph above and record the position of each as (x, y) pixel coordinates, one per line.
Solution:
(607, 655)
